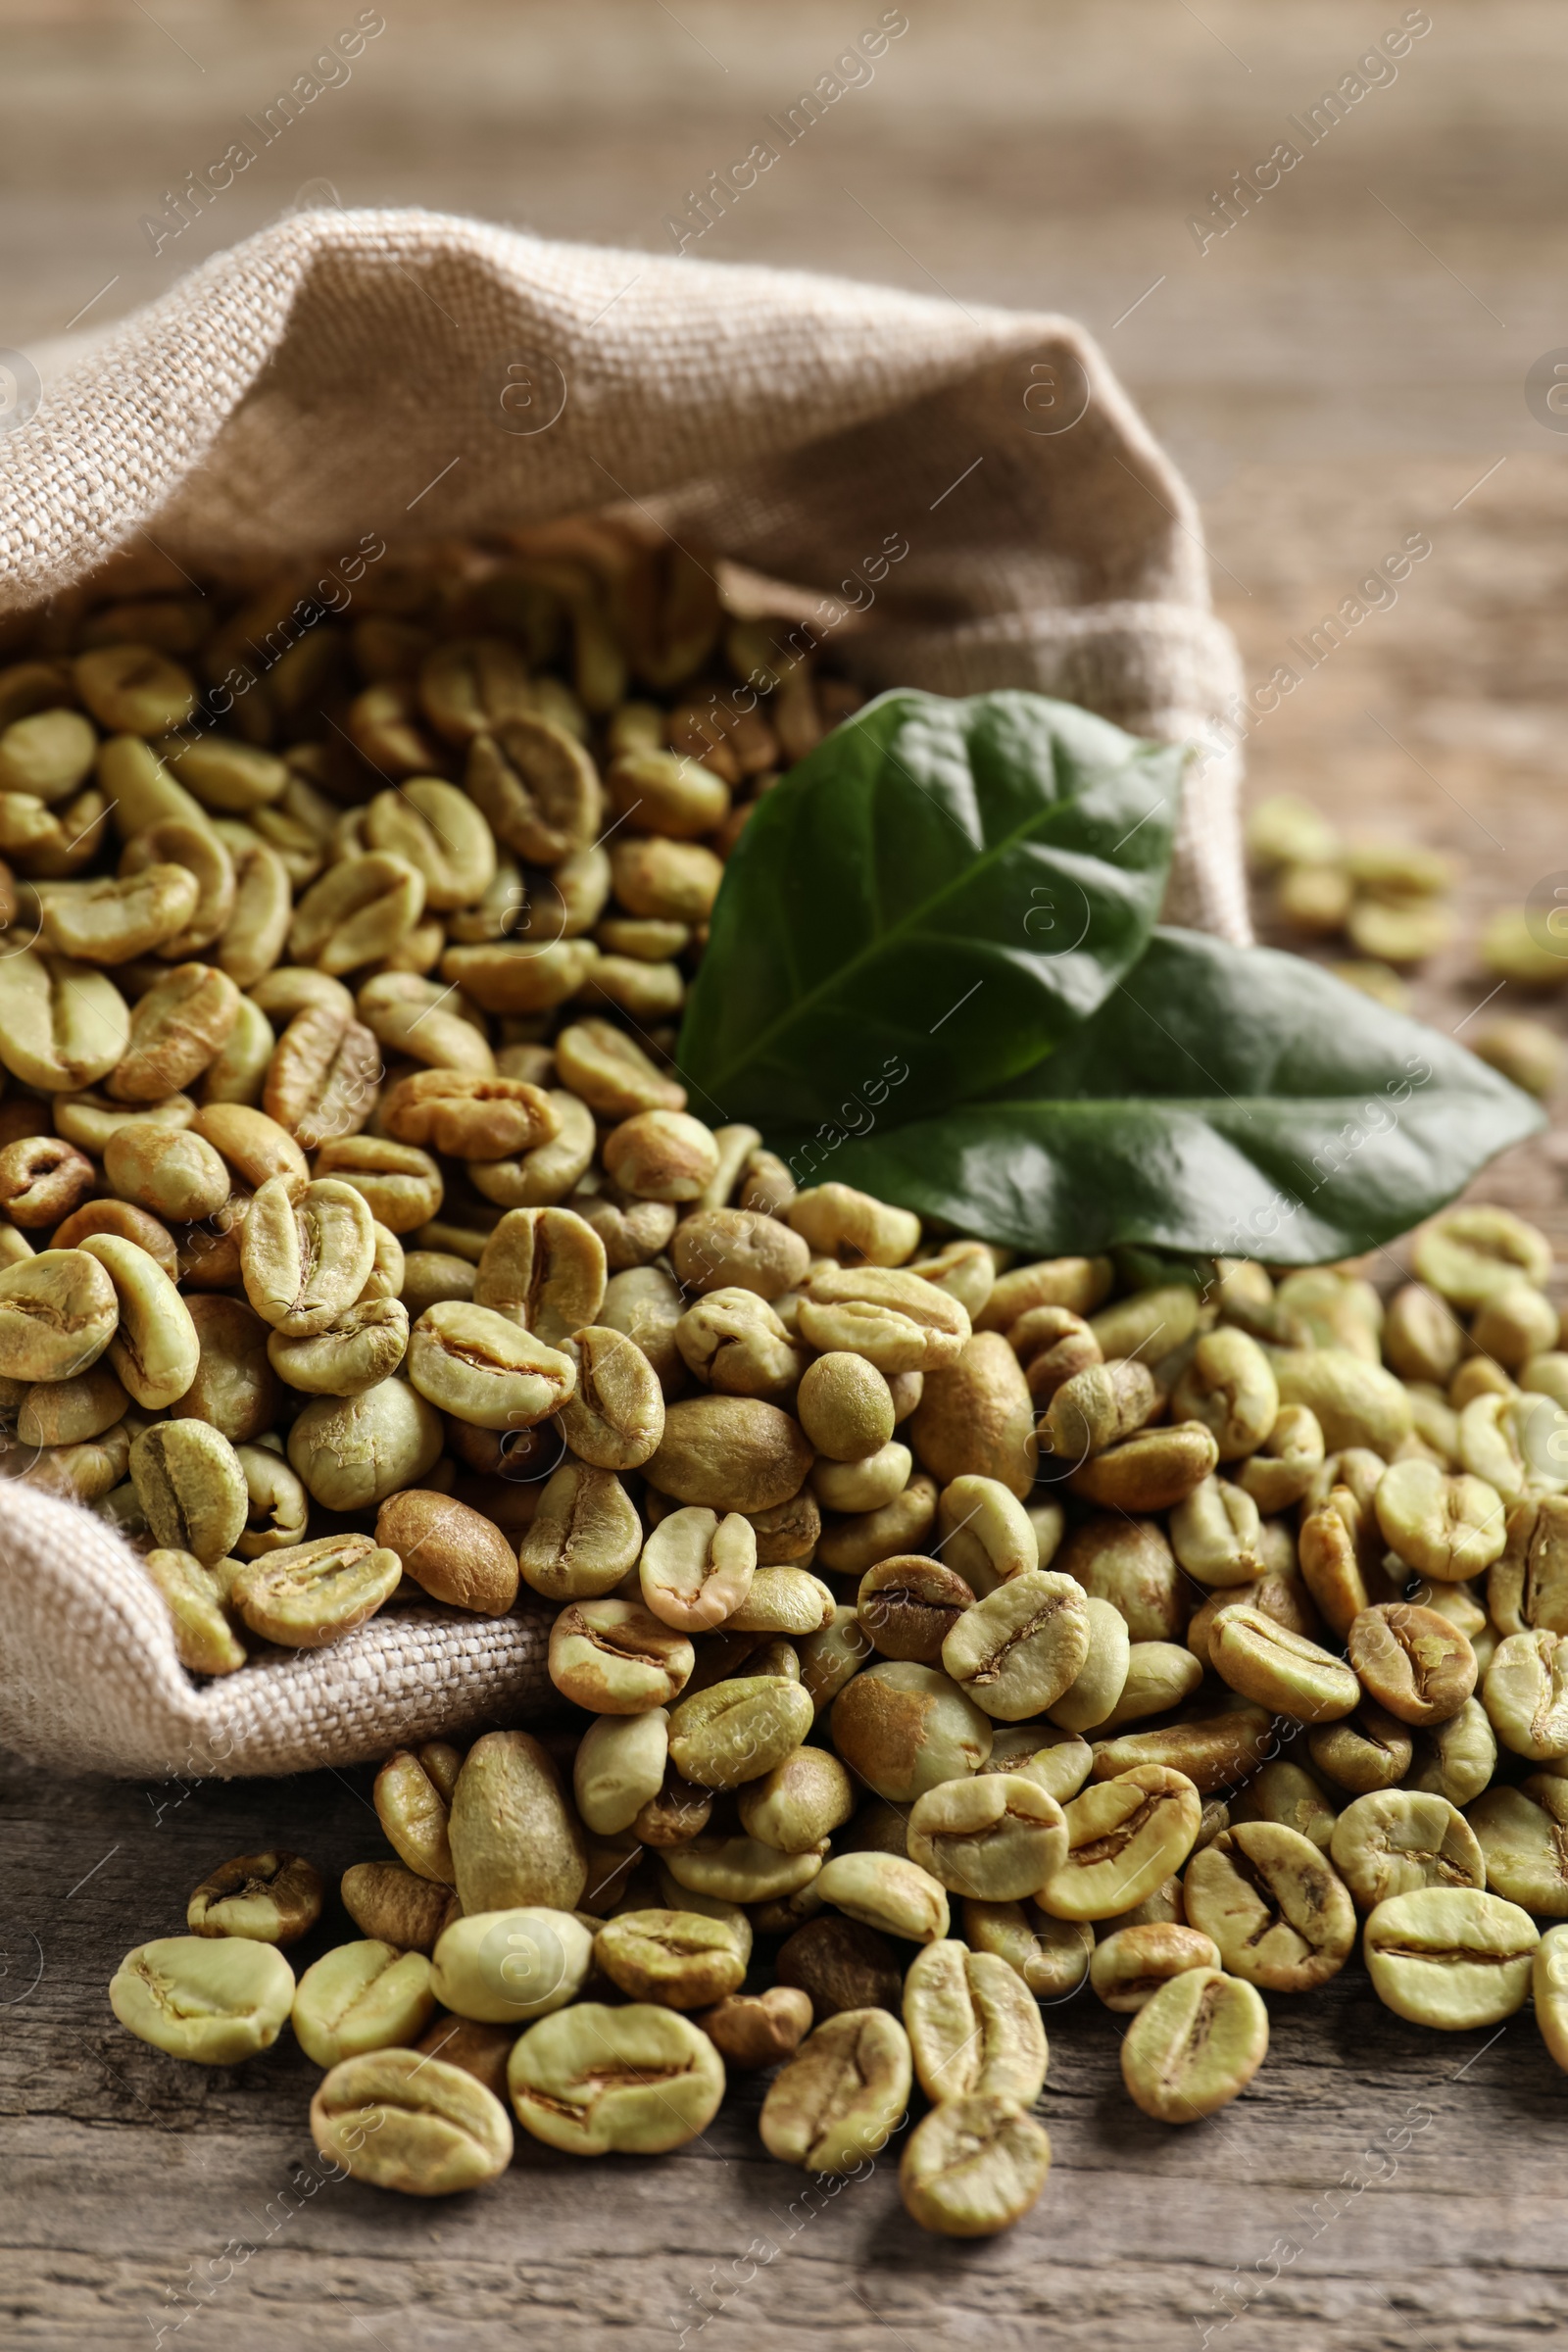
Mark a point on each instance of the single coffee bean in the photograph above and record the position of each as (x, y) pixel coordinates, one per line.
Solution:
(736, 1731)
(1288, 1793)
(1526, 1695)
(615, 1658)
(514, 1840)
(409, 2122)
(1016, 1651)
(1050, 1955)
(1129, 1967)
(799, 1803)
(1195, 2045)
(1411, 1661)
(995, 1838)
(1455, 1759)
(1399, 1840)
(697, 1569)
(389, 1904)
(270, 1898)
(1522, 1852)
(218, 2000)
(973, 2166)
(637, 2080)
(740, 1870)
(753, 2030)
(1548, 1989)
(361, 1998)
(312, 1593)
(1059, 1762)
(973, 2027)
(457, 1555)
(1368, 1751)
(883, 1892)
(1125, 1836)
(678, 1958)
(1279, 1914)
(413, 1796)
(842, 2094)
(1281, 1670)
(1451, 1956)
(509, 1965)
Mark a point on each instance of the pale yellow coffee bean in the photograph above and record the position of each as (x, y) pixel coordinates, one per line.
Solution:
(697, 1569)
(1281, 1917)
(842, 2095)
(274, 1897)
(154, 1350)
(1130, 1965)
(1527, 1588)
(411, 1796)
(59, 1310)
(615, 1415)
(618, 1768)
(1092, 1696)
(1152, 1471)
(799, 1803)
(353, 1451)
(1057, 1761)
(1357, 1403)
(361, 1998)
(973, 2027)
(362, 1346)
(1160, 1676)
(196, 1598)
(1549, 1987)
(740, 1870)
(638, 2081)
(783, 1600)
(513, 1837)
(64, 1412)
(677, 1958)
(214, 2000)
(544, 1269)
(1283, 1792)
(727, 1453)
(584, 1538)
(1466, 1254)
(1442, 1527)
(849, 1544)
(1520, 1833)
(411, 2122)
(1195, 2045)
(1281, 1468)
(314, 1594)
(510, 1965)
(1399, 1840)
(1230, 1387)
(1279, 1669)
(471, 1361)
(973, 2166)
(1051, 1956)
(1451, 1956)
(836, 1220)
(1526, 1695)
(737, 1729)
(894, 1320)
(888, 1893)
(1019, 1649)
(995, 1838)
(615, 1658)
(305, 1259)
(987, 1534)
(191, 1486)
(62, 1025)
(1125, 1836)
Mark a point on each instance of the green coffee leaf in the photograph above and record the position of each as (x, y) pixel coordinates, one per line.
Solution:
(1223, 1100)
(946, 887)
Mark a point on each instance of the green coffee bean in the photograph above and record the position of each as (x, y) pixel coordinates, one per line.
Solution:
(216, 2000)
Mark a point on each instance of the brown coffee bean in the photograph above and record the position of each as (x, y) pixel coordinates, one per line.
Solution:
(841, 1964)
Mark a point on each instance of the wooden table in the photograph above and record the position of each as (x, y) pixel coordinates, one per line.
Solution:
(1344, 369)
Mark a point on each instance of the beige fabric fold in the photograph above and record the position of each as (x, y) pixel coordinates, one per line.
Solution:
(966, 495)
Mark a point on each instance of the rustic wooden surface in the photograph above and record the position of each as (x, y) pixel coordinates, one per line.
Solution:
(1334, 374)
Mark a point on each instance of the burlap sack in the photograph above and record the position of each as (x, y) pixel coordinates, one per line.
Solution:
(967, 491)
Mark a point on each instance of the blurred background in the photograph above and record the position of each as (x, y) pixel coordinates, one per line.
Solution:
(1353, 357)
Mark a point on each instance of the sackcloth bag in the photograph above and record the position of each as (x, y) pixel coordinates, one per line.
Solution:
(426, 377)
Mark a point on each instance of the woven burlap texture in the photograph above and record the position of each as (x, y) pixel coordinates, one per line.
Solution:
(413, 376)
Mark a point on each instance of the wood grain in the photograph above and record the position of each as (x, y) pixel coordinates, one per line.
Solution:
(1333, 387)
